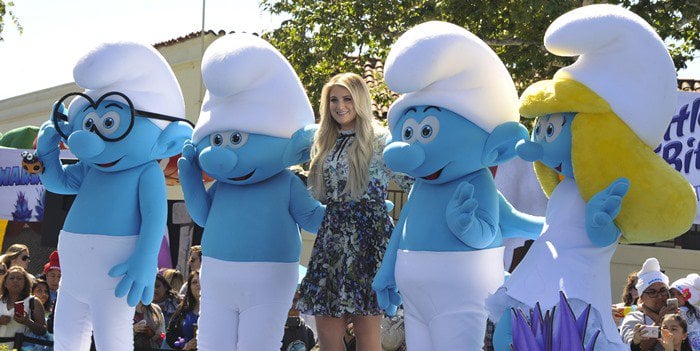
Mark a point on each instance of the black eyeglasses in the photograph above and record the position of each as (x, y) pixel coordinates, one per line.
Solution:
(655, 293)
(108, 126)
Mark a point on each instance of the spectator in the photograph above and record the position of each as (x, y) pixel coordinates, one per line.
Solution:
(687, 291)
(40, 290)
(17, 255)
(629, 299)
(16, 285)
(174, 278)
(52, 272)
(165, 297)
(194, 262)
(674, 333)
(149, 326)
(348, 174)
(182, 329)
(654, 289)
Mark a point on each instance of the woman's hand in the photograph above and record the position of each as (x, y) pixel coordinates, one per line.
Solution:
(5, 319)
(666, 340)
(140, 327)
(637, 336)
(23, 319)
(664, 311)
(191, 345)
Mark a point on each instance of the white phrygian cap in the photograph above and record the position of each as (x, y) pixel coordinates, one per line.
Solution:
(442, 64)
(623, 60)
(252, 88)
(135, 69)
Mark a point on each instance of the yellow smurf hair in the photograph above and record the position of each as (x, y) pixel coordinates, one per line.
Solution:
(660, 203)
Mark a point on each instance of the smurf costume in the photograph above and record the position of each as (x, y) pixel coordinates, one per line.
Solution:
(598, 122)
(255, 121)
(458, 116)
(130, 114)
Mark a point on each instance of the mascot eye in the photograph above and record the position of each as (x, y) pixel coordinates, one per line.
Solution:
(407, 133)
(538, 129)
(217, 140)
(89, 123)
(430, 126)
(108, 123)
(236, 138)
(408, 130)
(554, 127)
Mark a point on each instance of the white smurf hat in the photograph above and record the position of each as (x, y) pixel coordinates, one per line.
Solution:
(138, 71)
(442, 64)
(623, 60)
(689, 288)
(650, 274)
(251, 88)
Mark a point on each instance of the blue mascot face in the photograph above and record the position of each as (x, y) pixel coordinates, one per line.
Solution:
(435, 145)
(110, 137)
(550, 143)
(241, 158)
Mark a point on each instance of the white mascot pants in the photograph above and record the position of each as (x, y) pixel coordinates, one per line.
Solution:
(443, 296)
(86, 301)
(244, 305)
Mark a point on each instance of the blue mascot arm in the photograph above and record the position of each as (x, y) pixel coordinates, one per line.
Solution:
(305, 210)
(470, 215)
(139, 271)
(516, 224)
(56, 177)
(197, 200)
(602, 209)
(384, 283)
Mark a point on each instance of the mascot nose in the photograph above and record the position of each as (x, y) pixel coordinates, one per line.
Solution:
(84, 144)
(403, 157)
(217, 160)
(529, 151)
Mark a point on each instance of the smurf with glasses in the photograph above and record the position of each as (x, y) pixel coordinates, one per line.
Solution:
(255, 122)
(130, 114)
(598, 122)
(457, 117)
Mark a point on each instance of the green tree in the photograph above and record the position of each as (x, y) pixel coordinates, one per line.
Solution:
(6, 9)
(324, 38)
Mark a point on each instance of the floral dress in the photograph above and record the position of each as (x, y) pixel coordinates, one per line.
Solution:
(352, 239)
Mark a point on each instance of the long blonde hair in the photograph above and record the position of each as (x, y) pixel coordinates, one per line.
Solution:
(360, 152)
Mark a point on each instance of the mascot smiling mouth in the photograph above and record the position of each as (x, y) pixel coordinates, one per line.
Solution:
(239, 179)
(434, 175)
(109, 164)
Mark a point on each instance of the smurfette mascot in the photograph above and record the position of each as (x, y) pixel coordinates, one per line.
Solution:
(598, 122)
(255, 121)
(457, 117)
(130, 115)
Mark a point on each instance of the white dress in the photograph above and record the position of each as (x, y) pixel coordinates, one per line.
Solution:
(13, 327)
(564, 259)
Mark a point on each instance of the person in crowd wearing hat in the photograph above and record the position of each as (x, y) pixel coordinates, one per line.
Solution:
(52, 274)
(254, 123)
(653, 285)
(687, 291)
(347, 174)
(130, 114)
(593, 147)
(457, 117)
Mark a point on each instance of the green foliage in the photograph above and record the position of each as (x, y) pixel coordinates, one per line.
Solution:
(324, 38)
(6, 9)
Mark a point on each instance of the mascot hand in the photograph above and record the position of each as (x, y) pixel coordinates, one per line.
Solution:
(388, 296)
(602, 209)
(139, 274)
(460, 210)
(47, 139)
(187, 164)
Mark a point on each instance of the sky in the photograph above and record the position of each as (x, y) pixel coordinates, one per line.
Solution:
(57, 33)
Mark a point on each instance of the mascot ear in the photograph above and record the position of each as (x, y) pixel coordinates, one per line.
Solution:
(171, 140)
(500, 145)
(299, 148)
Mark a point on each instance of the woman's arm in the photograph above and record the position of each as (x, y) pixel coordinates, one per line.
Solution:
(37, 323)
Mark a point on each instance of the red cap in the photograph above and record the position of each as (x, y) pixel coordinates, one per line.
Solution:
(53, 262)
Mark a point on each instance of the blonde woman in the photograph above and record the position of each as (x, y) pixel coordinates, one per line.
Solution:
(347, 173)
(17, 255)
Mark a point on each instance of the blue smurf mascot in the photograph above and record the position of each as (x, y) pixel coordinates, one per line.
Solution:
(255, 121)
(130, 114)
(457, 117)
